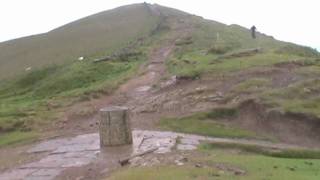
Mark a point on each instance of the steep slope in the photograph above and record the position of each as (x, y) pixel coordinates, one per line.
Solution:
(198, 48)
(189, 75)
(92, 36)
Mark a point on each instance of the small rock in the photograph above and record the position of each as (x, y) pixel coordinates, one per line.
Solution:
(213, 98)
(137, 161)
(104, 171)
(235, 100)
(219, 94)
(184, 159)
(201, 89)
(80, 178)
(178, 163)
(238, 172)
(154, 161)
(28, 69)
(306, 90)
(198, 165)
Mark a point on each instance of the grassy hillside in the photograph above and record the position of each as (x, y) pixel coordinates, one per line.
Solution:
(228, 53)
(209, 42)
(91, 37)
(33, 97)
(58, 79)
(229, 63)
(206, 48)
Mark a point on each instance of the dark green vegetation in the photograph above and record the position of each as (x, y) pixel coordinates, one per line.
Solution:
(231, 162)
(207, 124)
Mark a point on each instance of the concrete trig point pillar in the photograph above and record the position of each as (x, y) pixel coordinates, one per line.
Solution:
(114, 126)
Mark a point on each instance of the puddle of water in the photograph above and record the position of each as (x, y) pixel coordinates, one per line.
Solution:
(84, 149)
(62, 153)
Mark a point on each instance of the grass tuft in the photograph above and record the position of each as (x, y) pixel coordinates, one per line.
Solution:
(16, 137)
(206, 124)
(288, 153)
(165, 172)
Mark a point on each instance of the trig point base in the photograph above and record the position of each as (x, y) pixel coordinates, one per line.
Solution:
(114, 126)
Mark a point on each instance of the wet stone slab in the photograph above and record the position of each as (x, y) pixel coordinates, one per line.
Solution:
(61, 154)
(17, 174)
(82, 150)
(44, 174)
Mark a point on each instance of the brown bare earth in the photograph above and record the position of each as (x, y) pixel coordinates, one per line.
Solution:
(153, 93)
(151, 97)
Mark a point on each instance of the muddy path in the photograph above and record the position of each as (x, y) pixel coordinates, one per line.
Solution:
(74, 152)
(72, 132)
(80, 157)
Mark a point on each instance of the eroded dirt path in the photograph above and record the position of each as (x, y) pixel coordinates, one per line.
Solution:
(53, 157)
(77, 154)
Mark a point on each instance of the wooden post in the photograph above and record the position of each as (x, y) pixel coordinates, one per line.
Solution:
(114, 126)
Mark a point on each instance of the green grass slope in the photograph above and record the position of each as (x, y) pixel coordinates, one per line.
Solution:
(216, 51)
(37, 97)
(93, 36)
(58, 79)
(231, 161)
(209, 42)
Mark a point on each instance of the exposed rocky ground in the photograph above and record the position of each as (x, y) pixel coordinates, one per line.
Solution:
(70, 149)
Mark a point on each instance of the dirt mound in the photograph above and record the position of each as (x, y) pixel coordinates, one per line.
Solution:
(243, 53)
(287, 127)
(290, 65)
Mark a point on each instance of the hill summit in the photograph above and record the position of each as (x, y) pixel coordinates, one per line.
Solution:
(103, 33)
(177, 73)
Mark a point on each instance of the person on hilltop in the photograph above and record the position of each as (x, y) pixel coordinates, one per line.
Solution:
(253, 32)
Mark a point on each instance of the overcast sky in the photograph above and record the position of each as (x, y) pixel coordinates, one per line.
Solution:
(295, 21)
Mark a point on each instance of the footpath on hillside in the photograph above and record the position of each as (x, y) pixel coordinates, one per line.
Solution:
(80, 157)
